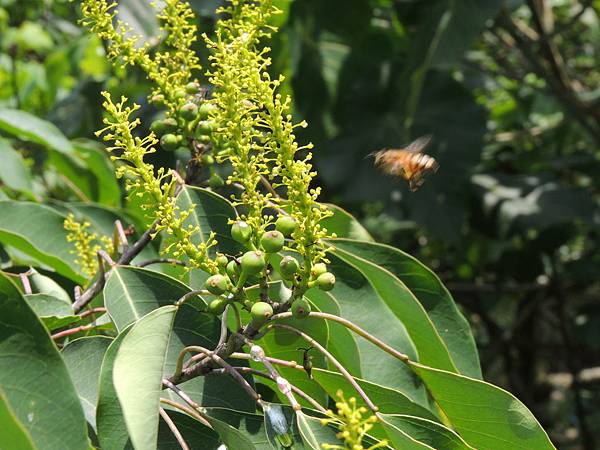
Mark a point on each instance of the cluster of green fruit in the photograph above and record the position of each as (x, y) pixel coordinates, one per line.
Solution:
(229, 283)
(191, 122)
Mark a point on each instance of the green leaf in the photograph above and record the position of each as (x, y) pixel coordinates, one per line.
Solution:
(29, 127)
(53, 312)
(137, 374)
(210, 214)
(96, 159)
(449, 324)
(485, 415)
(111, 429)
(239, 430)
(196, 435)
(131, 293)
(33, 377)
(83, 358)
(37, 231)
(11, 431)
(389, 401)
(13, 171)
(344, 225)
(425, 431)
(314, 434)
(359, 303)
(42, 284)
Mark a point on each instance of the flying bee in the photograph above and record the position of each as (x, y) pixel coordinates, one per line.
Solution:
(409, 163)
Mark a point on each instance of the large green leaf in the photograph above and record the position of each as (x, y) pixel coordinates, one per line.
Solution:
(449, 324)
(361, 304)
(106, 188)
(425, 431)
(110, 425)
(486, 416)
(343, 224)
(37, 231)
(239, 430)
(210, 214)
(130, 293)
(53, 312)
(137, 375)
(13, 172)
(29, 127)
(83, 358)
(33, 377)
(389, 401)
(314, 434)
(11, 431)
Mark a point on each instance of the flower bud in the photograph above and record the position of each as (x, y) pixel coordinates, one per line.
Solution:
(205, 109)
(288, 267)
(217, 306)
(192, 88)
(253, 262)
(301, 308)
(272, 241)
(286, 225)
(189, 111)
(241, 231)
(317, 270)
(205, 127)
(169, 142)
(326, 281)
(216, 284)
(179, 93)
(260, 312)
(157, 99)
(222, 261)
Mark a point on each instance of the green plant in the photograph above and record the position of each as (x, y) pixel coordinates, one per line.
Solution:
(196, 333)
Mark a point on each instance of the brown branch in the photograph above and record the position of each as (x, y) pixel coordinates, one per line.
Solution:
(71, 331)
(173, 429)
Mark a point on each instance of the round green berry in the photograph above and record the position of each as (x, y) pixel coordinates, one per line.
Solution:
(233, 269)
(301, 308)
(169, 142)
(205, 110)
(217, 306)
(272, 241)
(216, 284)
(179, 93)
(158, 127)
(286, 225)
(170, 124)
(261, 312)
(288, 267)
(157, 99)
(189, 111)
(207, 159)
(215, 181)
(318, 269)
(253, 262)
(222, 261)
(205, 127)
(192, 88)
(326, 281)
(241, 231)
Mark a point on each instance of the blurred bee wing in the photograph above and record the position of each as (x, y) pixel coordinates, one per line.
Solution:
(419, 144)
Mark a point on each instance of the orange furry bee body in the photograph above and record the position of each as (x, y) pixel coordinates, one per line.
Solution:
(409, 163)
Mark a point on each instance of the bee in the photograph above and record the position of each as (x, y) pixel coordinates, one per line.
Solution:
(409, 163)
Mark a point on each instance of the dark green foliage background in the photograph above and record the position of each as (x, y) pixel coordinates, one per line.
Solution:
(510, 221)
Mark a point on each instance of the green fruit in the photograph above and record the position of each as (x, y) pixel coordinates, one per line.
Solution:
(272, 241)
(189, 111)
(253, 262)
(208, 160)
(233, 269)
(216, 284)
(179, 93)
(222, 261)
(192, 88)
(217, 306)
(318, 269)
(205, 110)
(301, 308)
(157, 99)
(288, 267)
(241, 232)
(158, 127)
(286, 225)
(215, 181)
(260, 312)
(169, 142)
(326, 281)
(205, 127)
(170, 124)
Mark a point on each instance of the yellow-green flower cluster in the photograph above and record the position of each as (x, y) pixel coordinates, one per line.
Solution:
(170, 69)
(87, 244)
(353, 427)
(156, 189)
(254, 122)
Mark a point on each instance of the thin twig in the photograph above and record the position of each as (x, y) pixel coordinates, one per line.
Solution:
(224, 329)
(185, 297)
(25, 281)
(279, 362)
(71, 331)
(173, 429)
(161, 261)
(185, 409)
(333, 360)
(121, 235)
(99, 309)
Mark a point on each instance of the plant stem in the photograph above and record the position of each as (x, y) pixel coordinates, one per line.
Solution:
(173, 429)
(186, 410)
